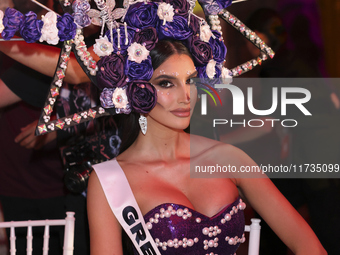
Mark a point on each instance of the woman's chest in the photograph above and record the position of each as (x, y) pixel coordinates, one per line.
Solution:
(175, 185)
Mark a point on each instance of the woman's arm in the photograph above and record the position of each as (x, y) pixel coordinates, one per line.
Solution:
(44, 59)
(7, 96)
(105, 230)
(279, 214)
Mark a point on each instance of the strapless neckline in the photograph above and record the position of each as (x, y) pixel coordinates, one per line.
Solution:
(179, 230)
(165, 205)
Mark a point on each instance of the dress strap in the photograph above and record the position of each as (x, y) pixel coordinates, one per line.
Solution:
(124, 206)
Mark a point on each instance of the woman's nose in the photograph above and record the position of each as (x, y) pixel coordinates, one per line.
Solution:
(184, 93)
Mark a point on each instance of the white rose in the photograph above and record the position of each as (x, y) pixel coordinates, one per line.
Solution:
(165, 12)
(205, 33)
(119, 98)
(49, 31)
(103, 47)
(1, 24)
(137, 52)
(210, 70)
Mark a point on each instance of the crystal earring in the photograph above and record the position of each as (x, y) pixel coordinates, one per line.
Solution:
(143, 123)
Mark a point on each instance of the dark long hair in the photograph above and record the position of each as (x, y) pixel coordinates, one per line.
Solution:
(129, 123)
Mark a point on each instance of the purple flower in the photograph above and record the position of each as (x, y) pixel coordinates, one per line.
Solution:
(210, 7)
(148, 37)
(218, 48)
(142, 71)
(111, 72)
(106, 98)
(181, 7)
(81, 6)
(195, 25)
(177, 30)
(202, 72)
(66, 26)
(31, 28)
(123, 46)
(142, 96)
(81, 19)
(141, 15)
(224, 3)
(109, 98)
(201, 51)
(126, 110)
(12, 21)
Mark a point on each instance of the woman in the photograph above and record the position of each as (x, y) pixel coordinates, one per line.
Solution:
(184, 215)
(157, 167)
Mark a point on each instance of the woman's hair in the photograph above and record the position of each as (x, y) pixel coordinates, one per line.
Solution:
(128, 124)
(165, 49)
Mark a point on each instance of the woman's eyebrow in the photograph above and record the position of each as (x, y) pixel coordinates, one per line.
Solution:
(193, 75)
(164, 76)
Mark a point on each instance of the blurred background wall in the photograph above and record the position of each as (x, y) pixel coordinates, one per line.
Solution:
(318, 20)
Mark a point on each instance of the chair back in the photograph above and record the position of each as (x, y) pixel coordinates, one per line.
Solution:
(68, 222)
(254, 230)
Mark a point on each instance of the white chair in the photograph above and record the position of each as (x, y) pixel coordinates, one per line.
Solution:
(254, 230)
(68, 222)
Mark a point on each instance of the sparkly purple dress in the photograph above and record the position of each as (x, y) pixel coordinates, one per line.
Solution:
(178, 230)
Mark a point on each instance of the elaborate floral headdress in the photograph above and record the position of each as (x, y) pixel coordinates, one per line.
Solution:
(128, 35)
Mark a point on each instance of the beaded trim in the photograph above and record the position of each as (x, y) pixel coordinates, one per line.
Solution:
(211, 231)
(251, 36)
(45, 123)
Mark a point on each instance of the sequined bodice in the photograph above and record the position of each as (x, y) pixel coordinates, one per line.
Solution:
(182, 231)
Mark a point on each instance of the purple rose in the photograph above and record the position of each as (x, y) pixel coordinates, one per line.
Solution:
(81, 6)
(141, 15)
(210, 7)
(178, 29)
(181, 7)
(201, 70)
(195, 25)
(126, 110)
(147, 37)
(106, 98)
(31, 28)
(81, 19)
(218, 48)
(111, 72)
(201, 51)
(66, 27)
(106, 101)
(12, 22)
(123, 46)
(224, 3)
(142, 71)
(142, 96)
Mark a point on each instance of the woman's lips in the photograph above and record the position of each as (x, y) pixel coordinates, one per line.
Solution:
(181, 112)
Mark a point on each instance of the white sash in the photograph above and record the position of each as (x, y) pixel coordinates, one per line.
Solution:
(124, 206)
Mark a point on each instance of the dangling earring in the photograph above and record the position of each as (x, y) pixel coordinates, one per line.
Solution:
(143, 123)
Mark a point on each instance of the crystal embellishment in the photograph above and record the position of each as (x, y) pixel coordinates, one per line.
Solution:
(76, 118)
(42, 129)
(54, 92)
(60, 124)
(92, 113)
(60, 74)
(48, 110)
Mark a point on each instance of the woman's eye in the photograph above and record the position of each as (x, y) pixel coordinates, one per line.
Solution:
(165, 84)
(191, 81)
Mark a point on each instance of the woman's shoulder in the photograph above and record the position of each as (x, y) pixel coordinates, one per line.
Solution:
(201, 145)
(206, 150)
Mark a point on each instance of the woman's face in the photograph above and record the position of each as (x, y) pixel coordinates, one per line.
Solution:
(176, 92)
